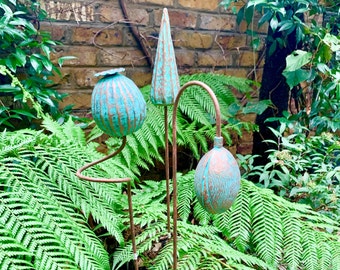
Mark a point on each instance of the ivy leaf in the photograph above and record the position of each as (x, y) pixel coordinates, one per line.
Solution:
(295, 77)
(297, 59)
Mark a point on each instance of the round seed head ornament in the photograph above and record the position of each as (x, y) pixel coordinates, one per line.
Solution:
(217, 179)
(118, 106)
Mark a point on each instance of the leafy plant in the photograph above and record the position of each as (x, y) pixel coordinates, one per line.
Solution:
(303, 169)
(321, 72)
(300, 67)
(26, 52)
(260, 231)
(46, 215)
(195, 118)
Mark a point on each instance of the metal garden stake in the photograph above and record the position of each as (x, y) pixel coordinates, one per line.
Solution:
(118, 108)
(164, 89)
(217, 177)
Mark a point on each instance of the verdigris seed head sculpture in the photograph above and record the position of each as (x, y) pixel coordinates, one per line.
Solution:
(118, 106)
(165, 81)
(217, 179)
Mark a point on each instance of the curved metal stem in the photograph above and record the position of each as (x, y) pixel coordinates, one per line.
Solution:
(174, 152)
(103, 180)
(115, 180)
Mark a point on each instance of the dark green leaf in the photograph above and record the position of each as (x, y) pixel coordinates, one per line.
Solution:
(266, 17)
(24, 112)
(256, 107)
(295, 77)
(286, 25)
(240, 15)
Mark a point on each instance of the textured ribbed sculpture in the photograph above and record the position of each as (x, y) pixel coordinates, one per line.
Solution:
(165, 87)
(217, 179)
(165, 82)
(118, 106)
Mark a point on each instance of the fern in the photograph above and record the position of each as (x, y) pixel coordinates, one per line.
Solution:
(261, 231)
(195, 120)
(45, 207)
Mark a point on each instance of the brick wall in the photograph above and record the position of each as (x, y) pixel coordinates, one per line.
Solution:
(206, 39)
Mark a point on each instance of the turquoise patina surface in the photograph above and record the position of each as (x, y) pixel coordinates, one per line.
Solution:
(165, 81)
(217, 179)
(118, 106)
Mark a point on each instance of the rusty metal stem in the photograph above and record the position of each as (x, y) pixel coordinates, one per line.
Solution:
(103, 180)
(132, 228)
(115, 180)
(167, 168)
(174, 152)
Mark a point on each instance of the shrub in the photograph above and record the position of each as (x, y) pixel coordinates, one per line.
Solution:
(26, 52)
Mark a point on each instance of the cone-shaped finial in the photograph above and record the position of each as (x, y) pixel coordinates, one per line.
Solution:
(165, 82)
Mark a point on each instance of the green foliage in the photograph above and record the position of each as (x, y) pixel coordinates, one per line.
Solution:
(195, 119)
(260, 231)
(45, 211)
(44, 207)
(312, 70)
(26, 52)
(321, 71)
(303, 169)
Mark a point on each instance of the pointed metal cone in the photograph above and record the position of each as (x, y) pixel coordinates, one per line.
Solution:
(165, 81)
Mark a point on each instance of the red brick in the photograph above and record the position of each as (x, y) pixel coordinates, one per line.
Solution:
(157, 2)
(121, 56)
(65, 11)
(221, 22)
(98, 36)
(213, 58)
(58, 31)
(80, 99)
(200, 4)
(229, 42)
(85, 55)
(185, 58)
(193, 40)
(177, 18)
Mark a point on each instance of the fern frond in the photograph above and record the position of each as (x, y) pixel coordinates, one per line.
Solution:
(309, 246)
(238, 223)
(324, 252)
(267, 232)
(292, 240)
(13, 255)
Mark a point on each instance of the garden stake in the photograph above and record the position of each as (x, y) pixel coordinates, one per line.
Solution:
(220, 177)
(118, 108)
(115, 180)
(164, 89)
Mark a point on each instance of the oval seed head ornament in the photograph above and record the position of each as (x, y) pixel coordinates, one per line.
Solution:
(217, 179)
(118, 106)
